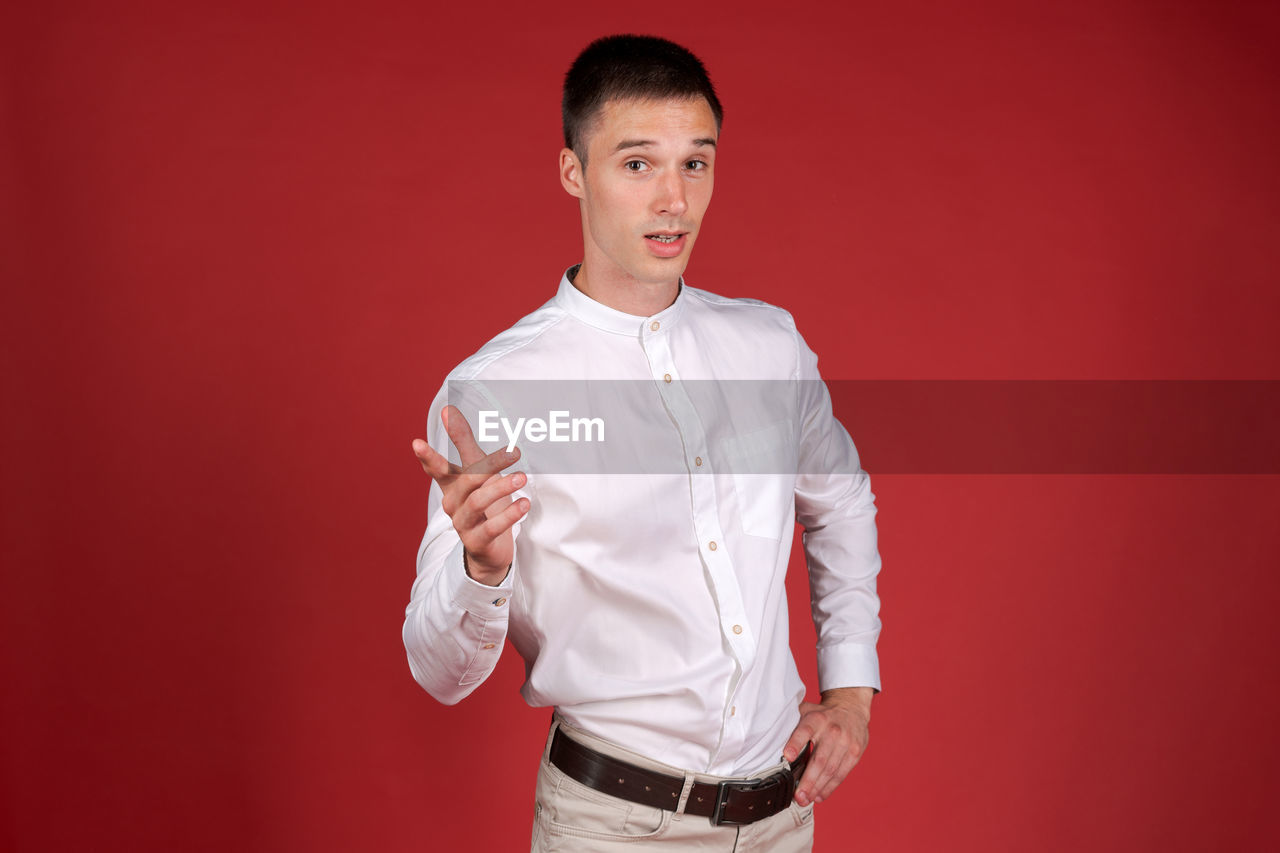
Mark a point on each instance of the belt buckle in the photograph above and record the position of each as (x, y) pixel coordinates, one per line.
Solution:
(782, 779)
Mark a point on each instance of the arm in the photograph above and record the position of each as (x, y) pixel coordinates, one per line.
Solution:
(456, 621)
(836, 507)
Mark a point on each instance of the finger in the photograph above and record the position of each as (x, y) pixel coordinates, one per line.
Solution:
(470, 479)
(488, 500)
(478, 539)
(804, 731)
(478, 474)
(816, 769)
(433, 463)
(505, 520)
(486, 466)
(495, 494)
(455, 423)
(833, 781)
(826, 762)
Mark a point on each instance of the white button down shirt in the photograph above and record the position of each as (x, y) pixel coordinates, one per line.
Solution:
(651, 609)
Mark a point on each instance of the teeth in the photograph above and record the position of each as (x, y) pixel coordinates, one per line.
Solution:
(664, 238)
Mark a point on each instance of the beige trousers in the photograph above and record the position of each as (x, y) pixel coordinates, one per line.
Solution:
(572, 818)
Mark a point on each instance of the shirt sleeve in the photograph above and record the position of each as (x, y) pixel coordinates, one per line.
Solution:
(454, 626)
(836, 508)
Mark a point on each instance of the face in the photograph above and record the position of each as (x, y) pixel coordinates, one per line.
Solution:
(645, 188)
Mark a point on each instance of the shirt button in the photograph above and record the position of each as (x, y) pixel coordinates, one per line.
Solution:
(488, 645)
(697, 460)
(654, 326)
(733, 711)
(498, 602)
(737, 629)
(713, 545)
(666, 377)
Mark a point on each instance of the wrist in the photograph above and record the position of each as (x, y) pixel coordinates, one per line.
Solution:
(488, 577)
(856, 699)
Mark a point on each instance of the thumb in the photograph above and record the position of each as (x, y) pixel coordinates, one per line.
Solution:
(799, 740)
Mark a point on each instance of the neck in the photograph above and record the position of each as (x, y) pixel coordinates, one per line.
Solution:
(638, 298)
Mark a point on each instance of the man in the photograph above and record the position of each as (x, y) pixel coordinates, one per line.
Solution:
(650, 610)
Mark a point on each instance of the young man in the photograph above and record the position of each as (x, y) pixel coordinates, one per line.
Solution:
(651, 610)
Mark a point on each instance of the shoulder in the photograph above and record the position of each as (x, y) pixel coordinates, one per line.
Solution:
(767, 323)
(514, 344)
(742, 309)
(760, 339)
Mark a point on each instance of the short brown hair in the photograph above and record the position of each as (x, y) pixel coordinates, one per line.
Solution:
(622, 67)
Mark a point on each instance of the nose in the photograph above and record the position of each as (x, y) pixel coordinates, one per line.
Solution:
(671, 195)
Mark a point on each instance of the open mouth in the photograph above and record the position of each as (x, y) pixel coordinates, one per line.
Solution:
(664, 244)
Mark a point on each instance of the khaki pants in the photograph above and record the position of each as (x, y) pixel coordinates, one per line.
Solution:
(572, 818)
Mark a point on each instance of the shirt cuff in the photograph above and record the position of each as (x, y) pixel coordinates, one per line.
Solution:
(848, 665)
(482, 600)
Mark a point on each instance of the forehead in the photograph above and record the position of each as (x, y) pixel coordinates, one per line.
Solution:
(667, 120)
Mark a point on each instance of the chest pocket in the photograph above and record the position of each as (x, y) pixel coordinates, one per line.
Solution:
(762, 463)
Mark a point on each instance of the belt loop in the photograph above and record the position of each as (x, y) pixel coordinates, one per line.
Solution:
(684, 796)
(546, 750)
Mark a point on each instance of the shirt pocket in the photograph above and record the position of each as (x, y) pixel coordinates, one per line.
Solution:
(762, 465)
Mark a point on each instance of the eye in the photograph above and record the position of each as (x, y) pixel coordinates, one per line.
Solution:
(696, 165)
(634, 165)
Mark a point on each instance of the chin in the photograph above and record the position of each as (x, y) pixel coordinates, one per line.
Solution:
(660, 270)
(663, 276)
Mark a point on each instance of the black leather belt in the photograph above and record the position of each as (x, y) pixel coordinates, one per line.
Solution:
(733, 802)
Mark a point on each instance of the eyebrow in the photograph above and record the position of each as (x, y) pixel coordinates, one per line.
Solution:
(648, 143)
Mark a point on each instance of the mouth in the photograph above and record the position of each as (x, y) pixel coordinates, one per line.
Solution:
(666, 244)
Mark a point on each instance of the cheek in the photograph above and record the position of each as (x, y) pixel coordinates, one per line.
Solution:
(618, 213)
(702, 196)
(608, 227)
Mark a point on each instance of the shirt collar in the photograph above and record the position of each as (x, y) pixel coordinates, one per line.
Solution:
(602, 316)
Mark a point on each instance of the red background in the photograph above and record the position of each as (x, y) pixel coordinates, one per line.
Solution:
(242, 245)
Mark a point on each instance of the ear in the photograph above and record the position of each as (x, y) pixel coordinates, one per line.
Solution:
(571, 173)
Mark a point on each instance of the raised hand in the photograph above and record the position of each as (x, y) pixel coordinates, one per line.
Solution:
(477, 497)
